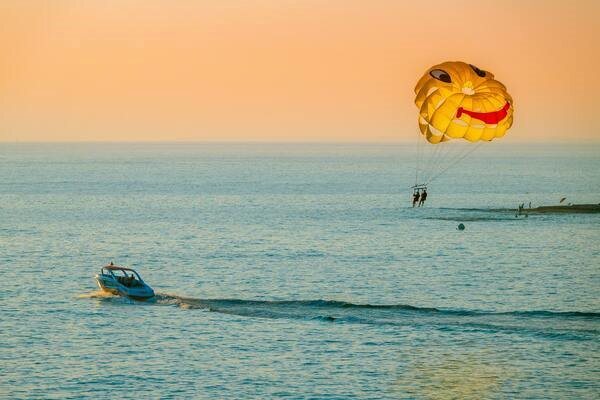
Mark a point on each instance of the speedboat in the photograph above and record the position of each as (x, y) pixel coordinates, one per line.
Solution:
(116, 280)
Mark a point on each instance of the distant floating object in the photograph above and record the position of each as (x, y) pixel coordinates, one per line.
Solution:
(563, 199)
(461, 227)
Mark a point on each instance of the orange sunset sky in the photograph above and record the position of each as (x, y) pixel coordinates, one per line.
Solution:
(281, 70)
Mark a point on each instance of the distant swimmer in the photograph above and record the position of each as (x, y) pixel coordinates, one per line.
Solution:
(521, 210)
(416, 196)
(423, 197)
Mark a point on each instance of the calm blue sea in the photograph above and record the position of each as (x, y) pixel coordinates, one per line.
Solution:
(298, 271)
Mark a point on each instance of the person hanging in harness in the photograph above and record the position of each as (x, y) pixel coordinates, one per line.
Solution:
(423, 197)
(416, 196)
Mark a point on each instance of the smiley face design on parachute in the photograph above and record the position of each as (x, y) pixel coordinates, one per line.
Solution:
(458, 100)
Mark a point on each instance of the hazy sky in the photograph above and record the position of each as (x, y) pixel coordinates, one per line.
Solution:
(283, 70)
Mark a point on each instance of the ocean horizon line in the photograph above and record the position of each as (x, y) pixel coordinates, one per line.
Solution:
(410, 142)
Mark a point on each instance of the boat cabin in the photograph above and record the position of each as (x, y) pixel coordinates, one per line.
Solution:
(125, 276)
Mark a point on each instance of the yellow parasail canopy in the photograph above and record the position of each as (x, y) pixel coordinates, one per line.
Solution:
(457, 100)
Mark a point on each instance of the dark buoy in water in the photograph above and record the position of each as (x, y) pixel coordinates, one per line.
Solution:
(461, 227)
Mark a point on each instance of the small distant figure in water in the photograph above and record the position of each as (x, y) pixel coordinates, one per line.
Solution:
(416, 196)
(461, 227)
(521, 210)
(111, 264)
(423, 197)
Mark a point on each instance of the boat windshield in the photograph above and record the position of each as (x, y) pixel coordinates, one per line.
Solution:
(127, 277)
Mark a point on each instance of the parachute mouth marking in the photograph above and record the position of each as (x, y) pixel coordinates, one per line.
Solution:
(492, 117)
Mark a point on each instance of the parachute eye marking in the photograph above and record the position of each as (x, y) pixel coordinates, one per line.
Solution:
(441, 75)
(478, 71)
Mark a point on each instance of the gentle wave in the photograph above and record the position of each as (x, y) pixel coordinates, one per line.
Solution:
(334, 304)
(320, 304)
(470, 219)
(493, 210)
(550, 314)
(559, 325)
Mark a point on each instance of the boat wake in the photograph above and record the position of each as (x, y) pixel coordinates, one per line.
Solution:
(569, 325)
(97, 294)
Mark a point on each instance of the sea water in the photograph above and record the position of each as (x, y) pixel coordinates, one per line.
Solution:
(298, 271)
